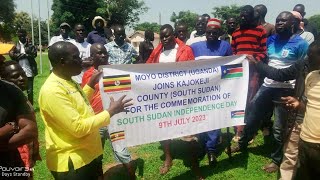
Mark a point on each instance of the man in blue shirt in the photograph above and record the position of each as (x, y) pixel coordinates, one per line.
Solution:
(97, 35)
(212, 48)
(284, 49)
(120, 52)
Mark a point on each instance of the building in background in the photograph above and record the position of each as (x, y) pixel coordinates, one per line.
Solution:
(138, 36)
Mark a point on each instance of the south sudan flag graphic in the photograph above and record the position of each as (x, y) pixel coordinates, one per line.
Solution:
(116, 136)
(231, 71)
(117, 83)
(237, 114)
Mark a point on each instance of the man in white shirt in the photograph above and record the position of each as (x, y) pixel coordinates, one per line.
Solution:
(65, 29)
(200, 33)
(84, 49)
(25, 53)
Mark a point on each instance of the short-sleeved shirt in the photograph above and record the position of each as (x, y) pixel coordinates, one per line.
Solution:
(120, 54)
(24, 63)
(84, 49)
(219, 48)
(59, 38)
(310, 131)
(13, 103)
(96, 37)
(282, 54)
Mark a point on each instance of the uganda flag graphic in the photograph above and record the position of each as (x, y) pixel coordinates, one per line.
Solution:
(116, 136)
(231, 71)
(237, 114)
(117, 83)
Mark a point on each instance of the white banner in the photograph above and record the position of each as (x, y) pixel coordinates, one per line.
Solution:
(172, 100)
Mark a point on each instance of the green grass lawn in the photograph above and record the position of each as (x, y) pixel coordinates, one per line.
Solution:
(149, 157)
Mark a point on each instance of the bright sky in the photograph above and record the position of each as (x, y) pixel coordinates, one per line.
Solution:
(166, 7)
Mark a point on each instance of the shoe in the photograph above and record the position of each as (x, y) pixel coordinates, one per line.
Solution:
(212, 159)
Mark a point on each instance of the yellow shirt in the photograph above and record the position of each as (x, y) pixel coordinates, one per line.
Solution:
(310, 131)
(71, 128)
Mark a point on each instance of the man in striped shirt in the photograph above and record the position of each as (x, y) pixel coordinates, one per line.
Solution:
(250, 39)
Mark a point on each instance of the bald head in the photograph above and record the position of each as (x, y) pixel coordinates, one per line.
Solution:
(119, 34)
(60, 50)
(95, 48)
(99, 55)
(65, 59)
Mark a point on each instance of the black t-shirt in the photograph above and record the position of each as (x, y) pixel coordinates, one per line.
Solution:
(12, 104)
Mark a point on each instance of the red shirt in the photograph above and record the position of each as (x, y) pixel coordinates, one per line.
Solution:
(250, 41)
(95, 101)
(184, 53)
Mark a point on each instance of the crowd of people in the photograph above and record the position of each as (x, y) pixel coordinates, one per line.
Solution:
(284, 82)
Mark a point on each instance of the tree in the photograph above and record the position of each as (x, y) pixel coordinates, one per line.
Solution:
(23, 20)
(187, 17)
(315, 20)
(225, 12)
(73, 12)
(123, 12)
(155, 27)
(6, 18)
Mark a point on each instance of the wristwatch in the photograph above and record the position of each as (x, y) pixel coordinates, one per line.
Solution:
(15, 127)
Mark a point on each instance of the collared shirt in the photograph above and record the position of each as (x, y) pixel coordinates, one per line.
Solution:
(55, 39)
(310, 131)
(120, 55)
(24, 63)
(282, 54)
(72, 129)
(95, 37)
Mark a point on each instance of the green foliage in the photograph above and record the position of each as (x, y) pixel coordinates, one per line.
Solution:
(23, 20)
(315, 20)
(155, 27)
(187, 17)
(6, 19)
(225, 12)
(73, 12)
(124, 12)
